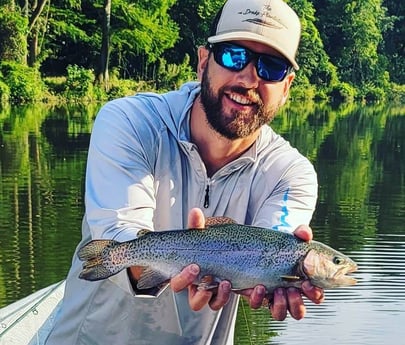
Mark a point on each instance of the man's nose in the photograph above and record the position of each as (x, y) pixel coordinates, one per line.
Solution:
(248, 77)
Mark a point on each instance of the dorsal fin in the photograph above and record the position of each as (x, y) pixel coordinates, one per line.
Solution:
(143, 232)
(214, 221)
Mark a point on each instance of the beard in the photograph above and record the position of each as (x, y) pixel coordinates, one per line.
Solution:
(236, 124)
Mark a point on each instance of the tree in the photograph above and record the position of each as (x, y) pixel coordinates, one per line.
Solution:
(312, 57)
(13, 28)
(36, 25)
(194, 18)
(103, 76)
(352, 33)
(394, 43)
(140, 34)
(73, 36)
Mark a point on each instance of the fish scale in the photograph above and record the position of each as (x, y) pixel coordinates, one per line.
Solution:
(244, 255)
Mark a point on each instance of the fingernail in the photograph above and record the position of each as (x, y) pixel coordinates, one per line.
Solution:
(226, 286)
(194, 269)
(260, 290)
(280, 291)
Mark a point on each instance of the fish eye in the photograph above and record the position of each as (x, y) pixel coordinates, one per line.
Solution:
(337, 260)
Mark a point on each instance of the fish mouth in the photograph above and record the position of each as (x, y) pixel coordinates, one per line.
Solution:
(343, 277)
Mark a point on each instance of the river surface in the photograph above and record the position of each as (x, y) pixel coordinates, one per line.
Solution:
(358, 151)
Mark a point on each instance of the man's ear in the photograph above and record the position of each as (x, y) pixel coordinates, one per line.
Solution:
(203, 56)
(287, 84)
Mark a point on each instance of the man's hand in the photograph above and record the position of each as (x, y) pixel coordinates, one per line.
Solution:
(286, 300)
(291, 299)
(282, 301)
(198, 299)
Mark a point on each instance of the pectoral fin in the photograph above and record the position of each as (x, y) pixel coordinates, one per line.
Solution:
(291, 278)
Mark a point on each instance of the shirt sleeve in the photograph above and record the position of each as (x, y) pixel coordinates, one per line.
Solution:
(120, 198)
(292, 202)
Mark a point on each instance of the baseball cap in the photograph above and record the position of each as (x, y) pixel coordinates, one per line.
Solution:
(271, 22)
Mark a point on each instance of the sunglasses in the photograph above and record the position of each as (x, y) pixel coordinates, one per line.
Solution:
(235, 58)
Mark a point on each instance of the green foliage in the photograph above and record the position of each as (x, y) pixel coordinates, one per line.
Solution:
(13, 30)
(194, 19)
(171, 76)
(301, 88)
(72, 37)
(343, 92)
(79, 83)
(121, 88)
(24, 82)
(4, 93)
(141, 33)
(352, 33)
(396, 93)
(312, 58)
(128, 87)
(155, 43)
(55, 85)
(394, 48)
(371, 92)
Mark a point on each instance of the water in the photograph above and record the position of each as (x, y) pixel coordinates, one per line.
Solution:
(357, 150)
(371, 313)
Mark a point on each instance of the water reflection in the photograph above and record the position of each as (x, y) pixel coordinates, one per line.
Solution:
(358, 152)
(373, 312)
(40, 194)
(361, 211)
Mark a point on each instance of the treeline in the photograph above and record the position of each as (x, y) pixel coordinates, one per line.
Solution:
(98, 49)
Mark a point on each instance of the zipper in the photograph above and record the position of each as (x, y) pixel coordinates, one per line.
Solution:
(207, 196)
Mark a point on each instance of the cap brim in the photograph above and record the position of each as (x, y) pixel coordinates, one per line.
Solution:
(248, 36)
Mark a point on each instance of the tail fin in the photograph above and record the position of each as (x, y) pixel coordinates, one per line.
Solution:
(95, 266)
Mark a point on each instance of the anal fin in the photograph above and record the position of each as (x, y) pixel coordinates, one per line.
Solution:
(207, 283)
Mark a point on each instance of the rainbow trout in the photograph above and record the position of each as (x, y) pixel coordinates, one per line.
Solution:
(244, 255)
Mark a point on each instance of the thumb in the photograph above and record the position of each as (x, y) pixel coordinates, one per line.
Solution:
(196, 219)
(304, 232)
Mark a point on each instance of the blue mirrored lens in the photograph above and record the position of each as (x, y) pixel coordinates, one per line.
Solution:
(236, 58)
(233, 58)
(271, 68)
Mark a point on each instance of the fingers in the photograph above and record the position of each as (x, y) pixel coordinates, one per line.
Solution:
(279, 305)
(287, 300)
(198, 299)
(196, 219)
(295, 303)
(290, 299)
(257, 296)
(283, 301)
(222, 296)
(315, 294)
(185, 278)
(304, 232)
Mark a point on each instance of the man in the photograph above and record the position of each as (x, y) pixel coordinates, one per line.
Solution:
(168, 161)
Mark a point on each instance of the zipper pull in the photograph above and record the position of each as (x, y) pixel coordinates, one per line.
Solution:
(207, 197)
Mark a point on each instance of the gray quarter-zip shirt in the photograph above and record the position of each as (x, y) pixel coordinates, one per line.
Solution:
(144, 173)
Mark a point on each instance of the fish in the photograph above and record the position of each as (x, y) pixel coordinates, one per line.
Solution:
(242, 254)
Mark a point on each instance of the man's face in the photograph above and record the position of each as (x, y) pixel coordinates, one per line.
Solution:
(238, 103)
